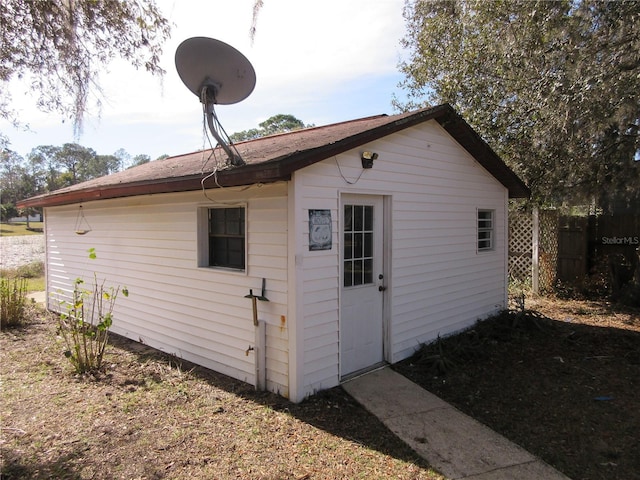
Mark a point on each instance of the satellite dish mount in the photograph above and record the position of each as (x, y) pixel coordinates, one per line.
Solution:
(207, 97)
(219, 75)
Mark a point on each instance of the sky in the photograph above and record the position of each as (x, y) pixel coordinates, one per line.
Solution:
(321, 61)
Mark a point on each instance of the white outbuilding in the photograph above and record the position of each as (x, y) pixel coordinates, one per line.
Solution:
(356, 241)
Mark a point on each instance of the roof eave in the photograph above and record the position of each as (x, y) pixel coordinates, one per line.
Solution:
(226, 178)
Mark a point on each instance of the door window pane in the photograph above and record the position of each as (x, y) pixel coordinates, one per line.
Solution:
(348, 274)
(368, 245)
(348, 246)
(358, 218)
(368, 218)
(348, 218)
(367, 273)
(358, 245)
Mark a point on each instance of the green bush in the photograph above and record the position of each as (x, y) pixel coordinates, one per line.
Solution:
(31, 270)
(13, 299)
(85, 324)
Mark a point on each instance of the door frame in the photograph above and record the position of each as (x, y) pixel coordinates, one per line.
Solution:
(386, 271)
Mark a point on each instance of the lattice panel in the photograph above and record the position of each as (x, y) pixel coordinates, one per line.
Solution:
(548, 249)
(520, 246)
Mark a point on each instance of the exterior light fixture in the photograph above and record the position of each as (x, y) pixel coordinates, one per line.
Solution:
(367, 159)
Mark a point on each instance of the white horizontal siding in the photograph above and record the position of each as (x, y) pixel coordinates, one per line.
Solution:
(150, 243)
(438, 283)
(319, 292)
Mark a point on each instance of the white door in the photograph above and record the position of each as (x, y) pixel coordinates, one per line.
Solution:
(361, 309)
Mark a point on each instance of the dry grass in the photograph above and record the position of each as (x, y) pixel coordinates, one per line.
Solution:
(149, 416)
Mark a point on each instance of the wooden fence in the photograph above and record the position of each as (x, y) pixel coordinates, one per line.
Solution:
(614, 242)
(545, 247)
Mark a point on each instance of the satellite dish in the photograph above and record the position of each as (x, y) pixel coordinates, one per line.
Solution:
(219, 75)
(225, 72)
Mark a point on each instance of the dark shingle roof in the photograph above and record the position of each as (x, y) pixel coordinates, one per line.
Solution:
(274, 158)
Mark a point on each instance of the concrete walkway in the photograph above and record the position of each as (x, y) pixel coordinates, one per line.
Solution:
(38, 297)
(453, 443)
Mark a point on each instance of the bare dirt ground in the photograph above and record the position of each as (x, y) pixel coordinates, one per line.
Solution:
(150, 416)
(563, 382)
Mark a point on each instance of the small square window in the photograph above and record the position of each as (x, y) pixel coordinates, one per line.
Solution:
(485, 230)
(226, 238)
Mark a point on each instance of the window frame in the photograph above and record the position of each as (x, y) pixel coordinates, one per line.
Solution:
(360, 245)
(482, 229)
(205, 238)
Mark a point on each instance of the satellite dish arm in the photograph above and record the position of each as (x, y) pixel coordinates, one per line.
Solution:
(234, 158)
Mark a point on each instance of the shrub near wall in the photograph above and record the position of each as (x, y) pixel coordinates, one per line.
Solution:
(13, 299)
(85, 324)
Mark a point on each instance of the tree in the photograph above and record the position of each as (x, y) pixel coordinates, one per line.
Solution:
(280, 123)
(45, 167)
(140, 160)
(48, 168)
(99, 166)
(74, 159)
(123, 157)
(15, 183)
(553, 86)
(11, 175)
(7, 212)
(60, 46)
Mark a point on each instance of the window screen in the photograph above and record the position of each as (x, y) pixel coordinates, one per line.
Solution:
(485, 230)
(227, 237)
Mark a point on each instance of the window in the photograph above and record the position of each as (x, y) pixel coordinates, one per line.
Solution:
(226, 237)
(358, 245)
(485, 230)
